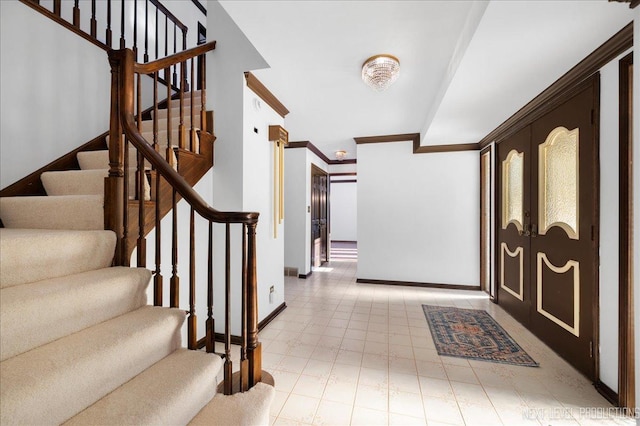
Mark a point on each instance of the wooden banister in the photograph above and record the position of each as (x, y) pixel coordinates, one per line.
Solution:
(125, 134)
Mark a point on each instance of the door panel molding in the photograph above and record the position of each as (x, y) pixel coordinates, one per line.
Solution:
(571, 264)
(517, 253)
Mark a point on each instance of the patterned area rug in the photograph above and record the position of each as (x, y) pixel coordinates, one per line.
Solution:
(474, 334)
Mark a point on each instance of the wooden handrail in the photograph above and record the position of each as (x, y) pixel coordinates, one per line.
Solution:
(130, 129)
(125, 134)
(160, 64)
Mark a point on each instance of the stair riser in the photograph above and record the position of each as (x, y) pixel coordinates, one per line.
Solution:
(74, 182)
(59, 253)
(85, 212)
(38, 313)
(50, 384)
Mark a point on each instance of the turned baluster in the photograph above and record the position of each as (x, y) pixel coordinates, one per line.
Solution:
(192, 148)
(174, 282)
(142, 242)
(192, 324)
(109, 33)
(244, 363)
(254, 347)
(210, 323)
(57, 7)
(135, 29)
(146, 31)
(122, 20)
(94, 22)
(76, 14)
(228, 366)
(181, 129)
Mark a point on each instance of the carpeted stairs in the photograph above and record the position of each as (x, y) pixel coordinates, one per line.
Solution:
(78, 342)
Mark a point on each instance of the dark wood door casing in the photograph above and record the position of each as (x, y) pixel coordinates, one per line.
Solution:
(319, 213)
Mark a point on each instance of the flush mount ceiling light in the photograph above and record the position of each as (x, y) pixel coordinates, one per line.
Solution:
(380, 71)
(341, 154)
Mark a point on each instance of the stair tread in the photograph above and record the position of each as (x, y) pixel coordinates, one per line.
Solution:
(172, 391)
(83, 251)
(37, 313)
(53, 382)
(79, 212)
(74, 182)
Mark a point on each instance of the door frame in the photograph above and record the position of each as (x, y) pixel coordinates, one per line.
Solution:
(626, 352)
(486, 259)
(317, 171)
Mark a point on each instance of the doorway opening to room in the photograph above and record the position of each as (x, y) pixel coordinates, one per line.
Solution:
(320, 248)
(343, 213)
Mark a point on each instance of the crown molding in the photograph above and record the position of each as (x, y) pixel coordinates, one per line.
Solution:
(417, 148)
(261, 90)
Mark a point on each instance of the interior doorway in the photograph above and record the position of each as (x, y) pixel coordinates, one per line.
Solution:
(320, 250)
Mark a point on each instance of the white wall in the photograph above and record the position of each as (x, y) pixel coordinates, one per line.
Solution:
(242, 170)
(258, 195)
(418, 215)
(46, 75)
(297, 190)
(609, 222)
(343, 206)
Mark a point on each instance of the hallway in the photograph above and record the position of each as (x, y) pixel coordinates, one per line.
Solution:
(346, 353)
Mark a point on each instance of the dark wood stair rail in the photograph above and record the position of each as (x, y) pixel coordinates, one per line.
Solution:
(124, 132)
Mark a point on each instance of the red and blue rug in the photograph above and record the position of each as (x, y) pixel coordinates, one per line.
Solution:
(473, 334)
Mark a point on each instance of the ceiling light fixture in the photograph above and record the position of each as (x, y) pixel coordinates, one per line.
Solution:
(341, 154)
(380, 71)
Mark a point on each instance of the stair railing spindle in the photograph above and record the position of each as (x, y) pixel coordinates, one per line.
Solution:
(192, 321)
(244, 363)
(109, 33)
(254, 347)
(157, 276)
(94, 22)
(57, 7)
(141, 176)
(228, 366)
(157, 39)
(125, 202)
(76, 14)
(203, 95)
(175, 72)
(210, 324)
(192, 132)
(174, 282)
(181, 129)
(146, 31)
(122, 40)
(135, 29)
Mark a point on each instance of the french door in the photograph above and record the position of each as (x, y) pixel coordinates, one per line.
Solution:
(547, 237)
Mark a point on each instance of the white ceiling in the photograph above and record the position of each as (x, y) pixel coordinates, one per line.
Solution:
(465, 66)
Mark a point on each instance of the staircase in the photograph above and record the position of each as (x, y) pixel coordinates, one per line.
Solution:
(79, 344)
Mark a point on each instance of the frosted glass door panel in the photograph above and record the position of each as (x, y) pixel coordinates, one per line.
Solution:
(558, 184)
(513, 189)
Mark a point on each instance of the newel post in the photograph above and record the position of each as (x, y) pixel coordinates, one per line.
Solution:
(254, 347)
(114, 182)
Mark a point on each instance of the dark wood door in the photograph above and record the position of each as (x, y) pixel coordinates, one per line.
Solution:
(319, 215)
(547, 237)
(514, 179)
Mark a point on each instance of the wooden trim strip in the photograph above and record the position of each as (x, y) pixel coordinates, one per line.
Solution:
(311, 147)
(200, 7)
(32, 185)
(419, 284)
(540, 105)
(64, 23)
(345, 181)
(344, 241)
(417, 148)
(261, 90)
(344, 174)
(305, 276)
(346, 161)
(604, 390)
(626, 351)
(237, 340)
(266, 320)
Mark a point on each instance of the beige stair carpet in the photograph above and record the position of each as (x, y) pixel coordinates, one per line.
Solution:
(61, 306)
(171, 392)
(80, 212)
(59, 253)
(53, 382)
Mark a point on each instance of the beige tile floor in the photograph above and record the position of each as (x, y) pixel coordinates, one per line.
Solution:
(346, 353)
